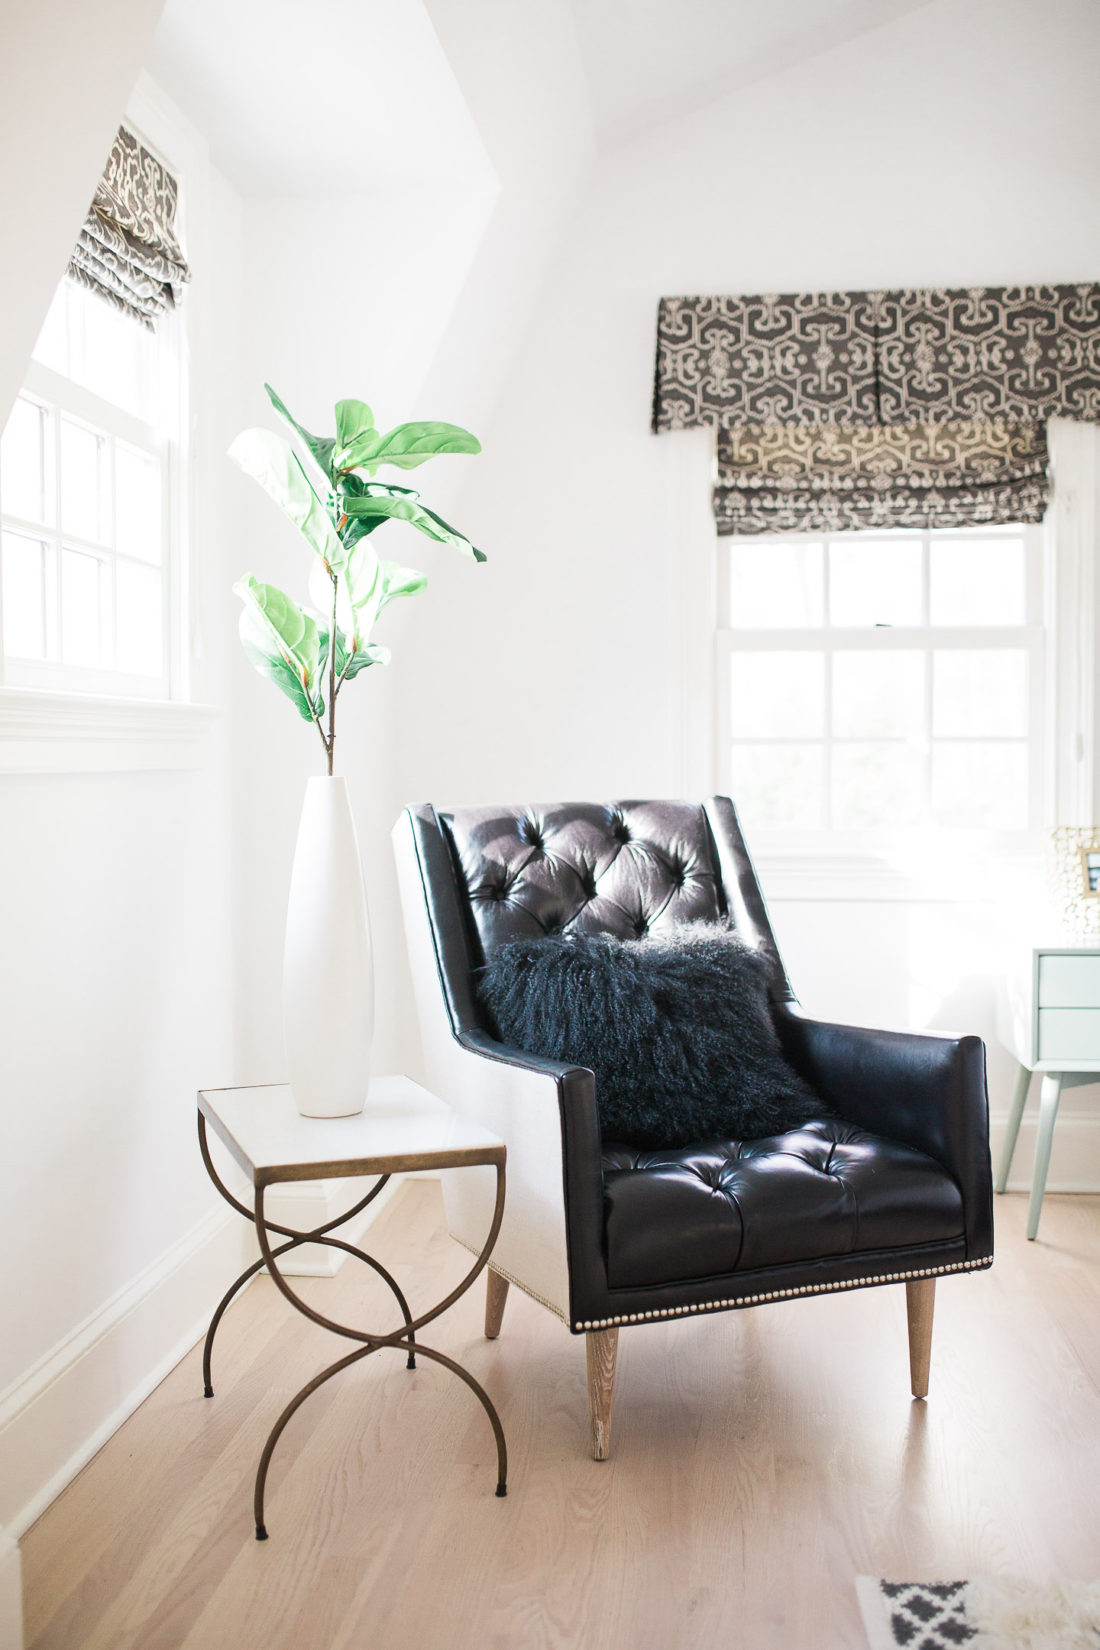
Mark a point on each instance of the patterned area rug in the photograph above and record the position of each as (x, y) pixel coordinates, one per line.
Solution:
(984, 1614)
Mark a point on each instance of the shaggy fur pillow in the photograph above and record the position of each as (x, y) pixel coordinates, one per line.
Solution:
(677, 1029)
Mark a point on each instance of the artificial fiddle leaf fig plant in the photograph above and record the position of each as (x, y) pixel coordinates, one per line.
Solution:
(326, 486)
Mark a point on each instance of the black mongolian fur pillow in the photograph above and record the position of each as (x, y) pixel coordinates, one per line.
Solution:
(676, 1027)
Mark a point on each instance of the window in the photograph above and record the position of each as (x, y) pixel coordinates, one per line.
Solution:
(88, 468)
(871, 683)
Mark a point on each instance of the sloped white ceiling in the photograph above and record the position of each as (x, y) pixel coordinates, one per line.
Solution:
(649, 60)
(324, 99)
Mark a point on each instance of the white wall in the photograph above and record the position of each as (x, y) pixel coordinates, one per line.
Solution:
(956, 144)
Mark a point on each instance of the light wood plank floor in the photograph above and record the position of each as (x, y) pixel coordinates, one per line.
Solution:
(761, 1459)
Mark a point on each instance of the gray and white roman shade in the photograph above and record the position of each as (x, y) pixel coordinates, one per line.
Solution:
(824, 479)
(845, 410)
(127, 251)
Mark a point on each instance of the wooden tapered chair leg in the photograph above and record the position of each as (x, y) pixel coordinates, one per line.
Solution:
(920, 1301)
(601, 1345)
(496, 1293)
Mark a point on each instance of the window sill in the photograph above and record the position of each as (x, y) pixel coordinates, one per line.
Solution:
(952, 877)
(47, 732)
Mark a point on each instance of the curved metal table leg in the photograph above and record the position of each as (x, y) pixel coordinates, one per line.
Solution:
(283, 1249)
(275, 1434)
(400, 1340)
(318, 1235)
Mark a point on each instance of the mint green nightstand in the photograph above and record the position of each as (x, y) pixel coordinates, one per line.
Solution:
(1051, 1021)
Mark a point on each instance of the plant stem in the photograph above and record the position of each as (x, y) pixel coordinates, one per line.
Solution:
(324, 741)
(332, 677)
(343, 674)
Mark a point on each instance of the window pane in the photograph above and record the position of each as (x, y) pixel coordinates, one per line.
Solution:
(877, 785)
(878, 694)
(983, 785)
(83, 482)
(24, 466)
(979, 691)
(115, 351)
(875, 582)
(139, 623)
(776, 586)
(977, 581)
(137, 504)
(777, 695)
(82, 579)
(779, 787)
(24, 596)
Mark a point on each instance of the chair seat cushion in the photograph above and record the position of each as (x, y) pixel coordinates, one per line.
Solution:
(720, 1206)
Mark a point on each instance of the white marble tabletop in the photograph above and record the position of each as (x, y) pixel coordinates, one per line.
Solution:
(401, 1127)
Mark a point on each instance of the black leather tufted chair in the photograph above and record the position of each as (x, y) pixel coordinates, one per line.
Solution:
(895, 1187)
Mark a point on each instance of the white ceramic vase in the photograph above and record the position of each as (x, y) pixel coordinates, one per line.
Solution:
(328, 975)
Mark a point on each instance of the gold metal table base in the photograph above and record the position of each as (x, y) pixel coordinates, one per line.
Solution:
(403, 1340)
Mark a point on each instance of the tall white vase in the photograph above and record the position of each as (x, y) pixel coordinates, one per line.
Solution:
(328, 975)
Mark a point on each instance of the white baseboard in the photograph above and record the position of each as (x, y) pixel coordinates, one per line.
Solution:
(66, 1406)
(1074, 1157)
(11, 1595)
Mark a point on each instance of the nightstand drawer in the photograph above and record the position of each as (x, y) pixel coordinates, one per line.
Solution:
(1069, 1034)
(1069, 982)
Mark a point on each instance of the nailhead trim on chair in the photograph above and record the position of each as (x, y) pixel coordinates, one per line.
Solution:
(783, 1294)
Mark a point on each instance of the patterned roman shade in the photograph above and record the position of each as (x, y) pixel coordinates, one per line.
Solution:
(915, 408)
(128, 252)
(822, 479)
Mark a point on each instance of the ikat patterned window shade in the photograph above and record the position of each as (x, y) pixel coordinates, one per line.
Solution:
(128, 252)
(823, 479)
(876, 409)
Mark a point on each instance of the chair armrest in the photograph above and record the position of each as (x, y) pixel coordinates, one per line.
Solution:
(483, 1043)
(925, 1090)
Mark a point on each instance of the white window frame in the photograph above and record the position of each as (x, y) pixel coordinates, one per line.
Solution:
(835, 869)
(63, 396)
(53, 720)
(824, 639)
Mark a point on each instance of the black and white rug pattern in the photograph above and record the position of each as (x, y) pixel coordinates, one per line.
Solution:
(987, 1613)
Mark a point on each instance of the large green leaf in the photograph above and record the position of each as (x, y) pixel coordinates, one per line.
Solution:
(283, 643)
(400, 581)
(272, 461)
(354, 420)
(405, 447)
(370, 586)
(401, 504)
(451, 535)
(319, 447)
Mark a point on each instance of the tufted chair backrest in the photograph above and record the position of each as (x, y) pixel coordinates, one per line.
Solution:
(621, 868)
(491, 874)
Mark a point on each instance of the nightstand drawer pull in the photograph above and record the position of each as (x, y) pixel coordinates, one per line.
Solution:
(1069, 1034)
(1069, 982)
